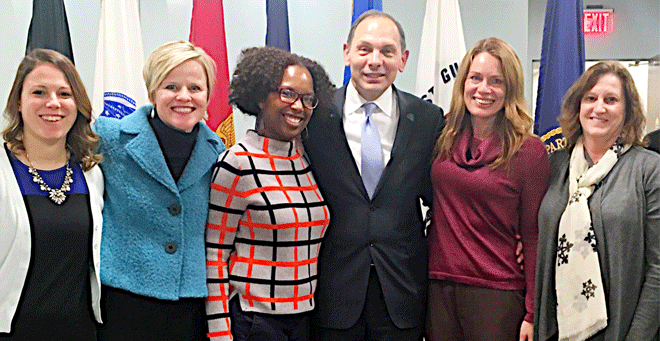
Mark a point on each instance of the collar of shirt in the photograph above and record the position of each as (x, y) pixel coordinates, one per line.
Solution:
(386, 120)
(353, 102)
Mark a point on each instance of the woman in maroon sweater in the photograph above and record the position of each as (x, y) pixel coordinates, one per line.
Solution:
(489, 177)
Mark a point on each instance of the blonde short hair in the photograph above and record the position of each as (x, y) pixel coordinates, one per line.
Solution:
(170, 55)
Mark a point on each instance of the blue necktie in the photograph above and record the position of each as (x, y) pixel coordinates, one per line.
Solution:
(372, 152)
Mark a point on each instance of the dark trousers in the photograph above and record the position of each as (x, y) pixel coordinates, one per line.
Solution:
(250, 326)
(374, 324)
(128, 316)
(463, 312)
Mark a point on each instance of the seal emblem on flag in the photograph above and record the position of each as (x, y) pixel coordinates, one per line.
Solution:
(117, 105)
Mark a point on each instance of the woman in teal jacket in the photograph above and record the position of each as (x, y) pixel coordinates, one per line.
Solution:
(158, 172)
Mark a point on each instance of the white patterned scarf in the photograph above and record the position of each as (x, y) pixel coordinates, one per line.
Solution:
(581, 310)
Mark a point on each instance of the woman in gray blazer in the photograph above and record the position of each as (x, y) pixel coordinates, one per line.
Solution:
(598, 261)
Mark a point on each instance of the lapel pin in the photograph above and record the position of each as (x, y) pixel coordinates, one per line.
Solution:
(410, 117)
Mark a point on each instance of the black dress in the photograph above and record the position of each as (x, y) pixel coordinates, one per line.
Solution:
(56, 301)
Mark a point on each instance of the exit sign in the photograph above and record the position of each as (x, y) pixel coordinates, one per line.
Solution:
(599, 21)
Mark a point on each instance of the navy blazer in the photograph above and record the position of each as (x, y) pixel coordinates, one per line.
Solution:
(387, 229)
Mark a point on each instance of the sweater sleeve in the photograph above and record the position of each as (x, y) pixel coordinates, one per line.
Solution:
(226, 208)
(533, 169)
(646, 320)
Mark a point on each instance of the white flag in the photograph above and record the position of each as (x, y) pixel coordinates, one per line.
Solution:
(440, 53)
(118, 84)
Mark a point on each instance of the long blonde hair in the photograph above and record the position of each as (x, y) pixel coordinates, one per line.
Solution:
(512, 123)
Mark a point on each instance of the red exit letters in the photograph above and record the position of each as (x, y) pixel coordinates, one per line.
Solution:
(600, 21)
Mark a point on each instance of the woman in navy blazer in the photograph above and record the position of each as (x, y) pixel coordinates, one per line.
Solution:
(158, 172)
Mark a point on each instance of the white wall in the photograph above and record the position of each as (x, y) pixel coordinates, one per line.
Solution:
(319, 28)
(635, 32)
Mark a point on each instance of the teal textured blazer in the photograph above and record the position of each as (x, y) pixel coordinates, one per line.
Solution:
(153, 227)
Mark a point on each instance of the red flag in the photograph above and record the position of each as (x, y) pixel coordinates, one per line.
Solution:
(207, 30)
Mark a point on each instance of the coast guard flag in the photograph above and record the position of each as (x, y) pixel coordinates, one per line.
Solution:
(118, 84)
(562, 62)
(441, 50)
(207, 30)
(359, 7)
(49, 28)
(277, 24)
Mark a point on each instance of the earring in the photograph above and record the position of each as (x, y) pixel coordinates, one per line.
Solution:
(304, 134)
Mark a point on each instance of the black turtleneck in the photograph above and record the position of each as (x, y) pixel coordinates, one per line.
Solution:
(176, 145)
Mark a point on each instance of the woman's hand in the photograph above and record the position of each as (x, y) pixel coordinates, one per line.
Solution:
(520, 257)
(527, 331)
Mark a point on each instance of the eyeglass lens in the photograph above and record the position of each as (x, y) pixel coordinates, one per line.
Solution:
(289, 96)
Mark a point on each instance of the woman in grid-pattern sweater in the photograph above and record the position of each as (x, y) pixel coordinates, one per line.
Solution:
(267, 217)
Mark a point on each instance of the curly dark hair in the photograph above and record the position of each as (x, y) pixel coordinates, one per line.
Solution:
(259, 72)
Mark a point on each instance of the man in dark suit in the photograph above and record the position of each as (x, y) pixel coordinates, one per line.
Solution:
(373, 262)
(653, 140)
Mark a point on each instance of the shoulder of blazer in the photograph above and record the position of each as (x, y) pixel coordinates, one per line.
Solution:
(136, 122)
(654, 140)
(338, 100)
(426, 115)
(106, 127)
(330, 112)
(558, 162)
(110, 128)
(94, 179)
(205, 133)
(409, 101)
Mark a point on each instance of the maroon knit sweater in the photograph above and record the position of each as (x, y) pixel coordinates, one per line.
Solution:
(478, 211)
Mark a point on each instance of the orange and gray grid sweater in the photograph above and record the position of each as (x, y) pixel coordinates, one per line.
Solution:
(266, 221)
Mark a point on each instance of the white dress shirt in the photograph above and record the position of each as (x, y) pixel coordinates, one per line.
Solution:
(386, 118)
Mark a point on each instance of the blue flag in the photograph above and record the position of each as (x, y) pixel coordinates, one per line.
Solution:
(562, 62)
(277, 24)
(49, 28)
(359, 7)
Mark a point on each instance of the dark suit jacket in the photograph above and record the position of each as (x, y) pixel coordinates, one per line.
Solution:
(386, 229)
(653, 139)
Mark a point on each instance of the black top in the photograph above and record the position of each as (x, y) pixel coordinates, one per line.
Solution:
(56, 301)
(176, 145)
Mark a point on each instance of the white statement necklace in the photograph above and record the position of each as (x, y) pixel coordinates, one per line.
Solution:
(56, 195)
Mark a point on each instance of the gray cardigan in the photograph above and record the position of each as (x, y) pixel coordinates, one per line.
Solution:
(625, 212)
